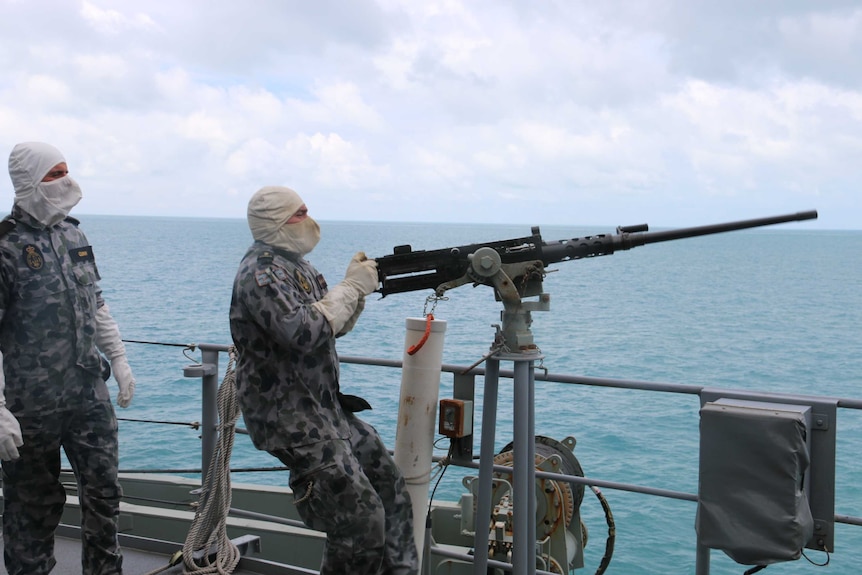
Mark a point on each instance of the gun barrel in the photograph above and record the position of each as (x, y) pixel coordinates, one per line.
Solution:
(663, 236)
(607, 244)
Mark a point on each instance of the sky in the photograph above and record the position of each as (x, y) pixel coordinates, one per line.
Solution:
(541, 112)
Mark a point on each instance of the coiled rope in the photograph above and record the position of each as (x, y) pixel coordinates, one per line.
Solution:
(209, 527)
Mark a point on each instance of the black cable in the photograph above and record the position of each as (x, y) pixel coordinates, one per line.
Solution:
(197, 470)
(193, 424)
(191, 346)
(828, 557)
(612, 531)
(445, 465)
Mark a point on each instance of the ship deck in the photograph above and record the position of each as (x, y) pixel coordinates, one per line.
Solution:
(143, 556)
(135, 561)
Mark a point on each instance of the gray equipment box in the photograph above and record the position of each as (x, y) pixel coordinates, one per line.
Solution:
(753, 486)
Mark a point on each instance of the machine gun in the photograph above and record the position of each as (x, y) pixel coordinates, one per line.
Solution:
(523, 260)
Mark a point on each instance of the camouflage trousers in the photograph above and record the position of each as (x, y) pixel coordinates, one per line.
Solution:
(34, 497)
(353, 491)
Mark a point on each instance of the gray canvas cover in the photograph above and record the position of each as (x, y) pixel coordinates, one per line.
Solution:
(752, 502)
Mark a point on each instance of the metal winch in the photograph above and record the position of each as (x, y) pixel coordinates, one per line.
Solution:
(560, 534)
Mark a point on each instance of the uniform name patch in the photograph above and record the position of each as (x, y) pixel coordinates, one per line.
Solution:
(82, 254)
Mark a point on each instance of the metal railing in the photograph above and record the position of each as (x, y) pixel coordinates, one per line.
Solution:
(461, 453)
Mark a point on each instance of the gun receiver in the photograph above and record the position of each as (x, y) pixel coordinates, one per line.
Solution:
(407, 270)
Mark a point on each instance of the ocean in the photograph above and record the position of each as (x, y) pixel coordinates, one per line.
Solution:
(774, 309)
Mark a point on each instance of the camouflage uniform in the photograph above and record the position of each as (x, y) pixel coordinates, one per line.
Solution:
(344, 480)
(55, 387)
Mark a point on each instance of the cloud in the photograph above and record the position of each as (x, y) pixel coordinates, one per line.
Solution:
(113, 22)
(446, 110)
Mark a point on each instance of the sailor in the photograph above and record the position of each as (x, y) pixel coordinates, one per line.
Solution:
(53, 324)
(284, 320)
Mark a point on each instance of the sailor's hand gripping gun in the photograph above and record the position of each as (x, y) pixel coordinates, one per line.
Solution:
(519, 264)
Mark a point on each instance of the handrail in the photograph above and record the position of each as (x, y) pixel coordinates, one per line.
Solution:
(621, 383)
(208, 370)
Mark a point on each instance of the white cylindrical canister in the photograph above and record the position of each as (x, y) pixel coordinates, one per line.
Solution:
(417, 414)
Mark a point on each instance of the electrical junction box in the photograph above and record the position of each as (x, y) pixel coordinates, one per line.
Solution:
(753, 487)
(456, 418)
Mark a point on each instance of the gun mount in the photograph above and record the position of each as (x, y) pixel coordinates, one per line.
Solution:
(516, 267)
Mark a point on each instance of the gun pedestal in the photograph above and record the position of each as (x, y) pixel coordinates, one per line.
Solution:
(513, 342)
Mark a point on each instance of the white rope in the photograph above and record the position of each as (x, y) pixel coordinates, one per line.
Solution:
(209, 527)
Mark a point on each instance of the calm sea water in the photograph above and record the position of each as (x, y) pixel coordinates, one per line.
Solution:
(775, 309)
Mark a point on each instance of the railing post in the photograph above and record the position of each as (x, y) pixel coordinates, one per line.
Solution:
(486, 467)
(207, 370)
(524, 467)
(702, 560)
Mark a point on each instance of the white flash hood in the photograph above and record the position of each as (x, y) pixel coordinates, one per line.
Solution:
(268, 211)
(47, 202)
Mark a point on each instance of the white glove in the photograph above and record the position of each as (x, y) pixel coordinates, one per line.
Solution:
(123, 374)
(10, 435)
(362, 274)
(341, 303)
(10, 430)
(360, 305)
(110, 343)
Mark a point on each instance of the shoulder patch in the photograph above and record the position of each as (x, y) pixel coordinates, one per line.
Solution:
(265, 257)
(6, 226)
(262, 278)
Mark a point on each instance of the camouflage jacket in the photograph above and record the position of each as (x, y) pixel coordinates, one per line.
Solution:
(287, 368)
(49, 294)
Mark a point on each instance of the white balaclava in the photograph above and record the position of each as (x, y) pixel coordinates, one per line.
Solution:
(268, 211)
(47, 202)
